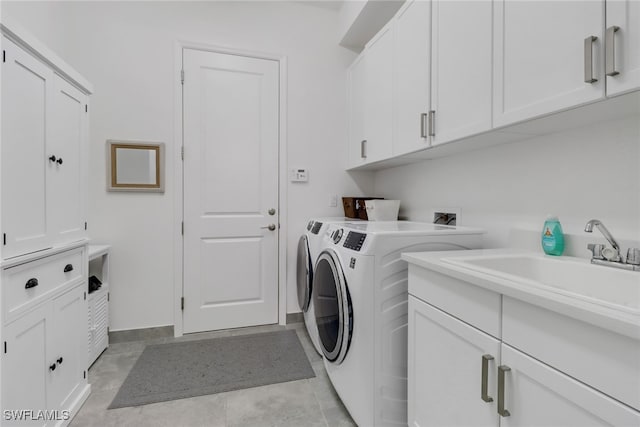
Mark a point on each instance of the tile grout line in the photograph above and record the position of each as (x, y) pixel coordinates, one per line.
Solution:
(315, 396)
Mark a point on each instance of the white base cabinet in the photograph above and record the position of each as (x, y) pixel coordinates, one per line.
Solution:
(462, 371)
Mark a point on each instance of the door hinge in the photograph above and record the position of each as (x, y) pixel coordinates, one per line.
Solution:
(4, 239)
(4, 56)
(181, 76)
(5, 347)
(182, 228)
(182, 152)
(85, 296)
(84, 374)
(85, 225)
(108, 298)
(182, 303)
(86, 108)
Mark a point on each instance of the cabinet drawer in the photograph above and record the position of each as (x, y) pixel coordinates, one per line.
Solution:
(471, 304)
(29, 283)
(602, 359)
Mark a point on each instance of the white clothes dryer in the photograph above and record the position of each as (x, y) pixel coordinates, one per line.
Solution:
(308, 249)
(360, 300)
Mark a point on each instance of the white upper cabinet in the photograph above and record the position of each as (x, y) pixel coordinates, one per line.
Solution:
(547, 57)
(622, 50)
(27, 88)
(412, 76)
(357, 101)
(44, 155)
(378, 109)
(460, 69)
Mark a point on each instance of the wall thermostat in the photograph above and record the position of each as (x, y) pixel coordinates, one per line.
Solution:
(299, 175)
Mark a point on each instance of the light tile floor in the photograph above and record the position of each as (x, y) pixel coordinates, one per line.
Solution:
(310, 402)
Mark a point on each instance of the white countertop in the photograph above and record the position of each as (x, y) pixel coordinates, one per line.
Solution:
(622, 320)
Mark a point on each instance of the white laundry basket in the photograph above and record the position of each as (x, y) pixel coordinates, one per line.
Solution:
(382, 210)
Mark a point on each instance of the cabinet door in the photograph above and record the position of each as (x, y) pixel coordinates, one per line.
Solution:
(446, 370)
(25, 366)
(461, 69)
(412, 58)
(68, 183)
(540, 56)
(538, 395)
(26, 104)
(624, 14)
(357, 101)
(378, 116)
(68, 348)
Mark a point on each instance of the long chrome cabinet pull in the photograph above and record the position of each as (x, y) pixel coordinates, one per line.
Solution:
(485, 378)
(432, 123)
(363, 149)
(588, 59)
(501, 410)
(423, 125)
(610, 51)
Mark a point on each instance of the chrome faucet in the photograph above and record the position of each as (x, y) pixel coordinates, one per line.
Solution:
(611, 256)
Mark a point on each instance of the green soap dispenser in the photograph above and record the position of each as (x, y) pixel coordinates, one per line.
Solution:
(552, 237)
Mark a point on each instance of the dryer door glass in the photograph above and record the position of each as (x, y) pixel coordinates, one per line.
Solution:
(304, 274)
(332, 306)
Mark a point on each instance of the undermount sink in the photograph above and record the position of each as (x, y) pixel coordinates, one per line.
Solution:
(565, 275)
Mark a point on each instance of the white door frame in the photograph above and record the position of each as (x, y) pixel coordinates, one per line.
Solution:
(178, 281)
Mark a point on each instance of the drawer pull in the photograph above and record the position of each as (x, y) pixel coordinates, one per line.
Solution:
(31, 283)
(484, 394)
(68, 268)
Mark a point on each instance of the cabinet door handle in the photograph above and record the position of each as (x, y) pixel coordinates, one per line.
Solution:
(588, 59)
(31, 283)
(610, 51)
(432, 123)
(52, 158)
(59, 161)
(59, 360)
(68, 268)
(52, 367)
(423, 125)
(485, 378)
(501, 410)
(363, 149)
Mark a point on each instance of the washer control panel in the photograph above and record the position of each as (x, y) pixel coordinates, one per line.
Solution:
(354, 240)
(316, 227)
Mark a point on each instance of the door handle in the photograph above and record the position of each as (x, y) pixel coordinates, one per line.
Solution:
(501, 409)
(432, 123)
(485, 378)
(52, 367)
(52, 158)
(610, 51)
(272, 211)
(271, 227)
(588, 59)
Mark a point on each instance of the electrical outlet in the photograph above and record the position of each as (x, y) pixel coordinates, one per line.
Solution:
(333, 201)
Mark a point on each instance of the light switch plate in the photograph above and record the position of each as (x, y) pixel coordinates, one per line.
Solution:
(298, 175)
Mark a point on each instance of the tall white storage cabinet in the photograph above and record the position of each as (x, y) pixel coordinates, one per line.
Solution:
(43, 175)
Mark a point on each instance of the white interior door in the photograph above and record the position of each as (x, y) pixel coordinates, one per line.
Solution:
(231, 133)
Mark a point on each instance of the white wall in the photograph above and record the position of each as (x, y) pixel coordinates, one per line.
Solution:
(126, 49)
(593, 172)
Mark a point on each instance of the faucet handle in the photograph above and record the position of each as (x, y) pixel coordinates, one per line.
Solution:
(596, 250)
(633, 256)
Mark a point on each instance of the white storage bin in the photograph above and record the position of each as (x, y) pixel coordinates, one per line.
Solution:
(382, 210)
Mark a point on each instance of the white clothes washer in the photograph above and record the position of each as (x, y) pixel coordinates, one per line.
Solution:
(360, 300)
(308, 249)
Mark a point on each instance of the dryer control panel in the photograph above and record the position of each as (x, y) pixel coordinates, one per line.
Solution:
(354, 240)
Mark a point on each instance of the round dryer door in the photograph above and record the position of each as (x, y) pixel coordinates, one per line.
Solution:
(304, 274)
(332, 306)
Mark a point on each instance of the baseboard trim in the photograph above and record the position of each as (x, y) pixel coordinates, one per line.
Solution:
(140, 334)
(295, 317)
